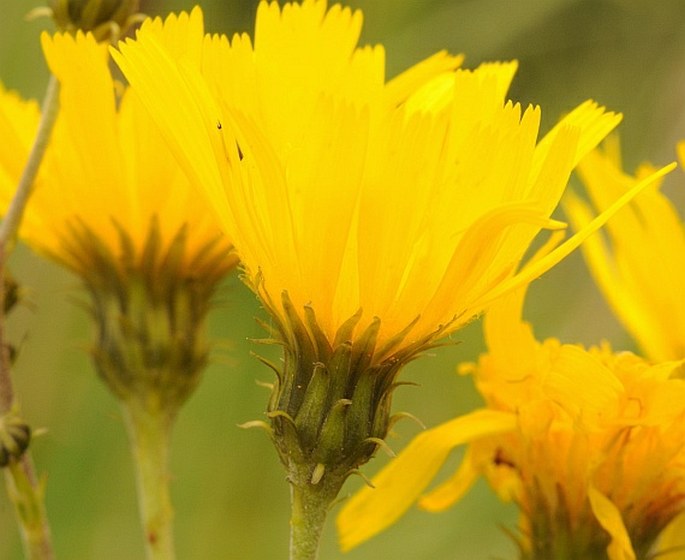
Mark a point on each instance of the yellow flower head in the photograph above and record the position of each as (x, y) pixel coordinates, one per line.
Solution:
(588, 443)
(107, 170)
(640, 263)
(371, 216)
(412, 200)
(111, 203)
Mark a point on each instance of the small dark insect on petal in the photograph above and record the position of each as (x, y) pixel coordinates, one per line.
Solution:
(240, 152)
(500, 460)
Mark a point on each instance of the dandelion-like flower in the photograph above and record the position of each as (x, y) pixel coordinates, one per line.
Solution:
(372, 217)
(639, 263)
(111, 204)
(587, 442)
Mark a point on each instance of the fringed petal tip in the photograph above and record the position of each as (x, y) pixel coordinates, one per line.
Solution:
(535, 269)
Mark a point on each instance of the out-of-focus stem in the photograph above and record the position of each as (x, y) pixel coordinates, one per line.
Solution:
(150, 433)
(23, 487)
(27, 495)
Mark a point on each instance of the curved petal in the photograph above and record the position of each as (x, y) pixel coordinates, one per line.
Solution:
(610, 518)
(536, 268)
(672, 540)
(453, 488)
(399, 484)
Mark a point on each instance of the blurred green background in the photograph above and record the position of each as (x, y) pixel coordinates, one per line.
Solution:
(229, 491)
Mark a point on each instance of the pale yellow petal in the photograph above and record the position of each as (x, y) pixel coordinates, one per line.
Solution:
(453, 488)
(87, 107)
(593, 122)
(638, 318)
(399, 484)
(18, 124)
(538, 267)
(585, 387)
(610, 518)
(403, 85)
(671, 543)
(180, 103)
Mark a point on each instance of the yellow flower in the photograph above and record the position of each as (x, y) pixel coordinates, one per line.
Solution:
(413, 200)
(107, 168)
(588, 443)
(640, 263)
(111, 203)
(372, 217)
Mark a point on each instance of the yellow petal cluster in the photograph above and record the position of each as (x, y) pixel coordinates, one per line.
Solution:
(413, 200)
(639, 262)
(107, 168)
(589, 443)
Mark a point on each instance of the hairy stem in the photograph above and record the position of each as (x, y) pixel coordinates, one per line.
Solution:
(26, 492)
(309, 508)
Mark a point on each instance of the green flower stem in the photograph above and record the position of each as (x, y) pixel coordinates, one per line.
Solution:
(23, 487)
(149, 429)
(27, 495)
(310, 504)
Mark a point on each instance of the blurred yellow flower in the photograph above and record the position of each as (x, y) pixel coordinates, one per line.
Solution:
(111, 203)
(107, 171)
(413, 200)
(639, 263)
(588, 443)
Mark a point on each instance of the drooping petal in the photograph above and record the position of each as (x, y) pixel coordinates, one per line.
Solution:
(452, 490)
(400, 483)
(610, 518)
(536, 268)
(671, 543)
(637, 264)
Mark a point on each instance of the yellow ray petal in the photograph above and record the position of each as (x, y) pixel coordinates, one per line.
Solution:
(672, 540)
(183, 108)
(538, 267)
(610, 518)
(639, 267)
(18, 124)
(452, 490)
(399, 484)
(604, 269)
(402, 86)
(592, 129)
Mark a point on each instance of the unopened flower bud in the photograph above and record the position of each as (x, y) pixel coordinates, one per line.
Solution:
(104, 18)
(15, 436)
